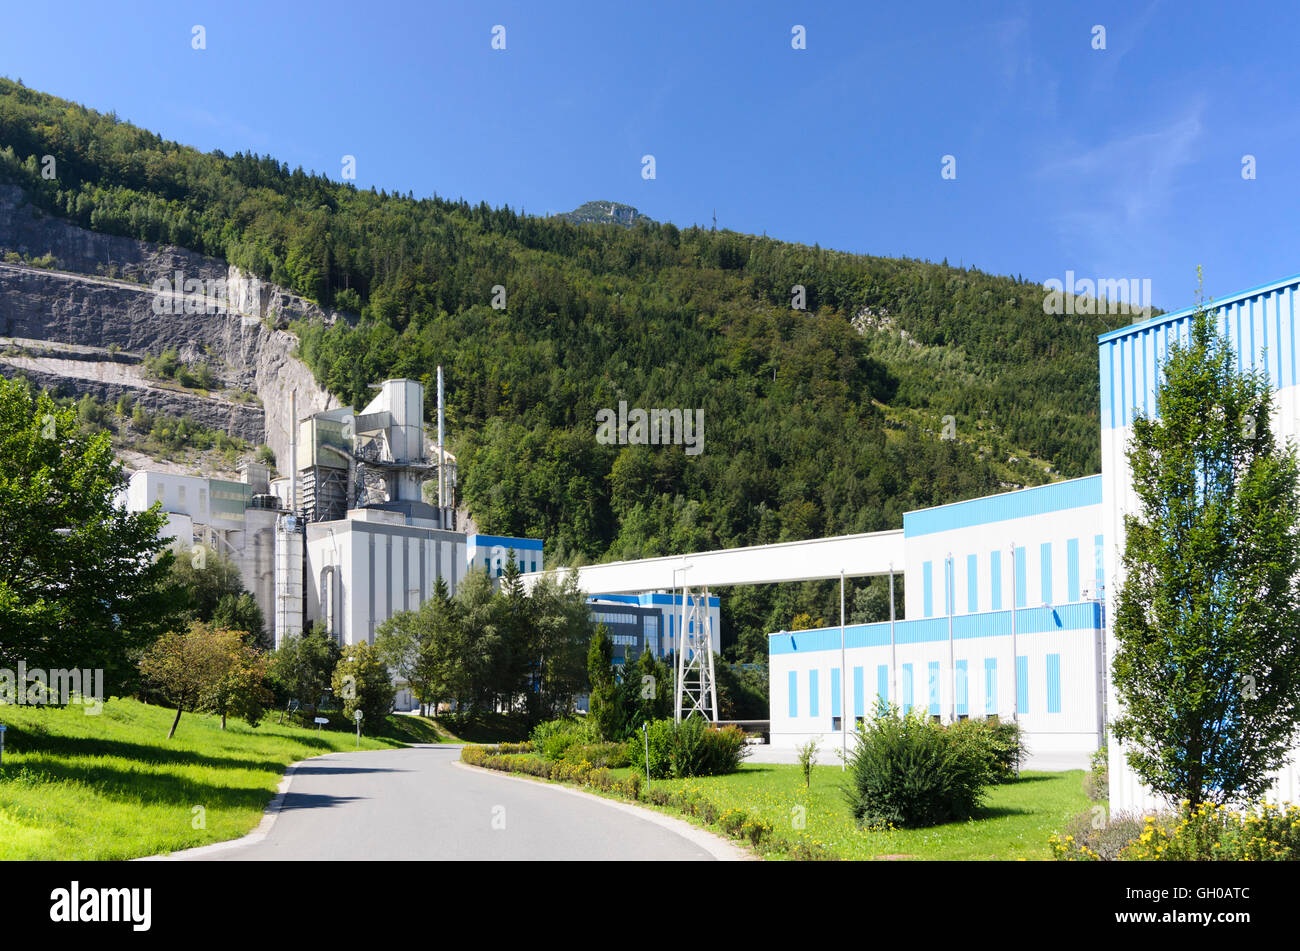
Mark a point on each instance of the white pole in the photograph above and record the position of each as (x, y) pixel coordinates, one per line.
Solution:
(893, 653)
(1015, 661)
(844, 696)
(950, 583)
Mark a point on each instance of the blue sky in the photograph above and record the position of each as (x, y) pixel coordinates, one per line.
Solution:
(1123, 162)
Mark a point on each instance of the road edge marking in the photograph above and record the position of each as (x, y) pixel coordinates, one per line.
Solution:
(260, 832)
(718, 847)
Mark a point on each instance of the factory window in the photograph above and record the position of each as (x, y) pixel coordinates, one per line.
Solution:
(1045, 567)
(972, 584)
(927, 592)
(180, 494)
(1053, 683)
(1022, 578)
(907, 688)
(963, 701)
(858, 721)
(835, 693)
(995, 580)
(1072, 569)
(933, 687)
(203, 501)
(858, 699)
(991, 686)
(882, 684)
(1099, 564)
(812, 693)
(793, 689)
(836, 724)
(1022, 684)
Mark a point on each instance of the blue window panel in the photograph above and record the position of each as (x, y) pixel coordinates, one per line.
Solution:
(793, 690)
(990, 685)
(1045, 571)
(963, 701)
(1022, 684)
(933, 670)
(835, 692)
(907, 688)
(1099, 564)
(949, 589)
(927, 589)
(812, 693)
(882, 683)
(995, 579)
(1022, 578)
(1072, 569)
(972, 584)
(1053, 683)
(858, 700)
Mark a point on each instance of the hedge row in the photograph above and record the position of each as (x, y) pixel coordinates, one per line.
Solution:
(735, 823)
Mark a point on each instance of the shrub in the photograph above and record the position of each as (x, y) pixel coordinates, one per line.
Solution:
(553, 738)
(659, 797)
(732, 820)
(756, 831)
(1093, 836)
(686, 749)
(1209, 832)
(910, 772)
(612, 755)
(1097, 783)
(999, 744)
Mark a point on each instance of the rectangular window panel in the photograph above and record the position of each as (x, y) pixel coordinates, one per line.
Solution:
(907, 688)
(933, 687)
(835, 692)
(1022, 578)
(990, 685)
(995, 580)
(1053, 683)
(1022, 684)
(963, 704)
(1045, 571)
(882, 683)
(859, 701)
(1072, 569)
(1099, 565)
(793, 690)
(927, 589)
(812, 693)
(972, 584)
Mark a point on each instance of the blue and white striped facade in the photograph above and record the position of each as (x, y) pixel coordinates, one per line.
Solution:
(669, 607)
(1261, 327)
(1003, 617)
(489, 553)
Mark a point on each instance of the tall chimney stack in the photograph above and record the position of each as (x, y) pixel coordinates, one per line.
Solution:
(293, 451)
(442, 459)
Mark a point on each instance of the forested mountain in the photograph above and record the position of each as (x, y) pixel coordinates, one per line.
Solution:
(602, 212)
(822, 420)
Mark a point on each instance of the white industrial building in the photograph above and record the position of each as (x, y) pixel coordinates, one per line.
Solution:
(1003, 618)
(346, 540)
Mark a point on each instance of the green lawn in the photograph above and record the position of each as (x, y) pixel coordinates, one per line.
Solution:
(1014, 824)
(112, 786)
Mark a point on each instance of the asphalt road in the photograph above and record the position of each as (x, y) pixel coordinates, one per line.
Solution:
(419, 804)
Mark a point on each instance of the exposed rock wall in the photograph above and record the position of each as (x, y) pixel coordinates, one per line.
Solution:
(245, 344)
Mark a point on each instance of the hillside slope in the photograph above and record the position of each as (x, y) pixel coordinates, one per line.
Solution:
(825, 418)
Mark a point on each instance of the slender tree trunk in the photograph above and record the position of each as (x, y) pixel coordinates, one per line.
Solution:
(172, 732)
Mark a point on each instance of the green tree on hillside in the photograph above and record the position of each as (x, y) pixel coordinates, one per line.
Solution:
(363, 682)
(1208, 618)
(303, 665)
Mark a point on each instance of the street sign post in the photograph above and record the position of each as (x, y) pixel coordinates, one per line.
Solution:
(356, 715)
(320, 722)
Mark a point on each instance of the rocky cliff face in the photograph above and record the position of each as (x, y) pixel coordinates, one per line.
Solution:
(101, 295)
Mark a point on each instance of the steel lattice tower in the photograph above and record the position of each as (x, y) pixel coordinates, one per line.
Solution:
(697, 685)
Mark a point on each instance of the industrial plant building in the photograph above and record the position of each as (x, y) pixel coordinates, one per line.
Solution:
(1008, 596)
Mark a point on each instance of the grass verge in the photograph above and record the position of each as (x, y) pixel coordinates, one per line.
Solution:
(112, 786)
